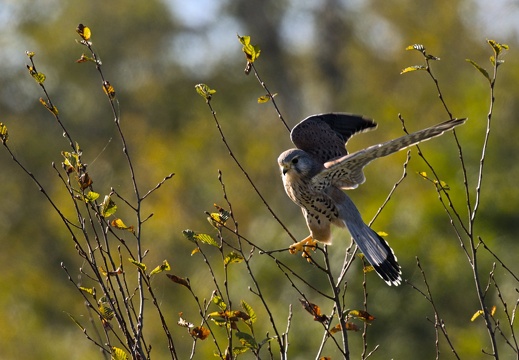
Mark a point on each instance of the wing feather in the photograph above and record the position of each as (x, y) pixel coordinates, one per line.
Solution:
(346, 172)
(324, 136)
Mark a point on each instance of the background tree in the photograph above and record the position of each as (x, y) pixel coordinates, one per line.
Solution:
(331, 56)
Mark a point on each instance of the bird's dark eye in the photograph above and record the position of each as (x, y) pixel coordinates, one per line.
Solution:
(295, 160)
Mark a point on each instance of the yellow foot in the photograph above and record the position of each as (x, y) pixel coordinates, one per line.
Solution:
(303, 245)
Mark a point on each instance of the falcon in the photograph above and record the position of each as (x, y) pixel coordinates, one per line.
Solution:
(319, 168)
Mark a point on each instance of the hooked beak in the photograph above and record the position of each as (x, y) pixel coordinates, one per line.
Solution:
(285, 168)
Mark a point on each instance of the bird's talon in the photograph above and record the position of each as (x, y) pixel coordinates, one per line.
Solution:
(303, 246)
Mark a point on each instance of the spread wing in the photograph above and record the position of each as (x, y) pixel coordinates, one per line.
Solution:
(324, 136)
(346, 171)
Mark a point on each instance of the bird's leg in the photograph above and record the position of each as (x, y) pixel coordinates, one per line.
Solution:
(303, 245)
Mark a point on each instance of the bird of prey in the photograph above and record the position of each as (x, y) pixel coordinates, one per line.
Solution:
(315, 173)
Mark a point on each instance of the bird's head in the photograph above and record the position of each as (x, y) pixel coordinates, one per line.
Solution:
(295, 161)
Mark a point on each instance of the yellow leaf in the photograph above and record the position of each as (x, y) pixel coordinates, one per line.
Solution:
(476, 315)
(118, 354)
(84, 32)
(109, 90)
(232, 257)
(164, 267)
(4, 135)
(413, 68)
(217, 219)
(90, 291)
(119, 224)
(360, 314)
(195, 250)
(418, 47)
(91, 196)
(105, 308)
(138, 264)
(493, 311)
(102, 271)
(368, 268)
(265, 98)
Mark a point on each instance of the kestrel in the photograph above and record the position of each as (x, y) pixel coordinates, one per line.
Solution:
(315, 173)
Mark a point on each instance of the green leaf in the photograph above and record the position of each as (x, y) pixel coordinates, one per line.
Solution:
(480, 69)
(218, 301)
(38, 76)
(91, 196)
(164, 267)
(118, 354)
(247, 340)
(194, 237)
(205, 91)
(248, 309)
(107, 207)
(252, 52)
(138, 264)
(232, 258)
(105, 309)
(413, 68)
(4, 135)
(190, 235)
(237, 350)
(207, 239)
(497, 47)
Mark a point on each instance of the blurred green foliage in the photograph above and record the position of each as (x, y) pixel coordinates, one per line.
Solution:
(330, 56)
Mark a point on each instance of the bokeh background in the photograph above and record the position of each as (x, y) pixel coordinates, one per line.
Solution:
(319, 56)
